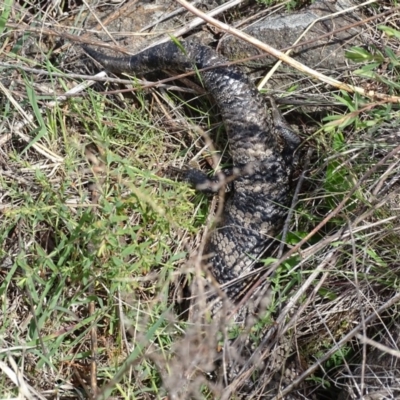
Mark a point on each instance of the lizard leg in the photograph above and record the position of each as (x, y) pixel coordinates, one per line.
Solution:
(205, 184)
(284, 131)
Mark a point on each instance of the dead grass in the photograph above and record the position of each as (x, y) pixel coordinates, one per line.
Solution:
(96, 236)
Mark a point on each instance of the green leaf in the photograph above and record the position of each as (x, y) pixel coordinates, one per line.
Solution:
(346, 100)
(367, 71)
(390, 31)
(358, 54)
(394, 59)
(5, 14)
(339, 121)
(42, 130)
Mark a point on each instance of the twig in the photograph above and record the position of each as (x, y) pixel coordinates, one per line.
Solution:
(165, 17)
(380, 346)
(323, 18)
(93, 348)
(288, 60)
(113, 16)
(102, 77)
(197, 21)
(100, 23)
(75, 90)
(343, 28)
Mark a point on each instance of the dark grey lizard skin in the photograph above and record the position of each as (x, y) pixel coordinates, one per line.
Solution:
(255, 210)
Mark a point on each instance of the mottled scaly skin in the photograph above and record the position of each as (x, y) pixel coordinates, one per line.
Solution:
(254, 212)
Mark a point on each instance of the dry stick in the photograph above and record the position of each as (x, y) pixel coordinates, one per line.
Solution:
(337, 347)
(102, 77)
(380, 346)
(81, 381)
(99, 22)
(343, 28)
(362, 315)
(378, 185)
(102, 24)
(75, 90)
(64, 34)
(93, 348)
(323, 18)
(197, 21)
(166, 17)
(116, 14)
(288, 60)
(257, 17)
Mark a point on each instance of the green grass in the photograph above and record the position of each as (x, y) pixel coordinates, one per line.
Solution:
(70, 251)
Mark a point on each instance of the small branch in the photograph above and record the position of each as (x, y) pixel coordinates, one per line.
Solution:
(198, 21)
(288, 60)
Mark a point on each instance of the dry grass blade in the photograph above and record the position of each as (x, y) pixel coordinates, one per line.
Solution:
(17, 378)
(76, 90)
(28, 120)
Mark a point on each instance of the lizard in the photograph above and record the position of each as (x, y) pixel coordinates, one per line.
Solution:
(261, 145)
